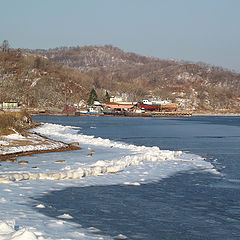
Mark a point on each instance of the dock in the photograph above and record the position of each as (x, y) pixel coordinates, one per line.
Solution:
(149, 114)
(171, 114)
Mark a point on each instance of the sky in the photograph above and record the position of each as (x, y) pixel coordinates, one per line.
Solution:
(190, 30)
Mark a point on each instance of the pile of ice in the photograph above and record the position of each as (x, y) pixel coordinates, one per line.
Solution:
(72, 134)
(99, 168)
(136, 155)
(8, 232)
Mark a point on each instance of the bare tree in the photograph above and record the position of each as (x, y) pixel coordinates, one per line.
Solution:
(5, 46)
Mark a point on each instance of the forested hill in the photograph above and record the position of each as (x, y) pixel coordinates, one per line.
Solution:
(94, 57)
(35, 81)
(198, 87)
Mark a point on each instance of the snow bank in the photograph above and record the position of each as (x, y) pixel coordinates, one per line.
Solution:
(28, 148)
(98, 168)
(136, 155)
(15, 136)
(5, 143)
(71, 134)
(8, 232)
(16, 143)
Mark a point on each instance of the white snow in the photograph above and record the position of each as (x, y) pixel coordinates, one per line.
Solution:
(11, 144)
(40, 206)
(15, 136)
(35, 82)
(120, 236)
(65, 216)
(4, 143)
(134, 165)
(7, 232)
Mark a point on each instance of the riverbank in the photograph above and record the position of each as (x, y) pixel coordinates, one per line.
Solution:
(15, 145)
(147, 114)
(25, 143)
(16, 140)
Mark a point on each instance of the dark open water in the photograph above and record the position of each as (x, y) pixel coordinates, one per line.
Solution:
(184, 206)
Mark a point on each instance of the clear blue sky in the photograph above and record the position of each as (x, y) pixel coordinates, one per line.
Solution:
(194, 30)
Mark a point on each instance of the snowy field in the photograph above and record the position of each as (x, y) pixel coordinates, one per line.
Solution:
(100, 162)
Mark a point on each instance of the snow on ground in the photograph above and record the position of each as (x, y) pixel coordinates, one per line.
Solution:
(4, 143)
(16, 143)
(131, 165)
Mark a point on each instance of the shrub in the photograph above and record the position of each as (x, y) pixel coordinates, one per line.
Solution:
(11, 122)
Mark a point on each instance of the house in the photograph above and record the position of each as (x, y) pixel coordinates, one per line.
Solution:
(10, 105)
(116, 99)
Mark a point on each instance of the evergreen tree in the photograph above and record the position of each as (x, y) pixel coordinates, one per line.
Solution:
(107, 97)
(92, 97)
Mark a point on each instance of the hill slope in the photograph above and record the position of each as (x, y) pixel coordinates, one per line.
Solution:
(37, 82)
(56, 76)
(199, 87)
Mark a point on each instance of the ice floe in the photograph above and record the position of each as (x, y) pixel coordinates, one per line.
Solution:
(65, 216)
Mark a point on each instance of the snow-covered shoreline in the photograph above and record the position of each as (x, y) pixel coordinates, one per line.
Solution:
(93, 165)
(17, 145)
